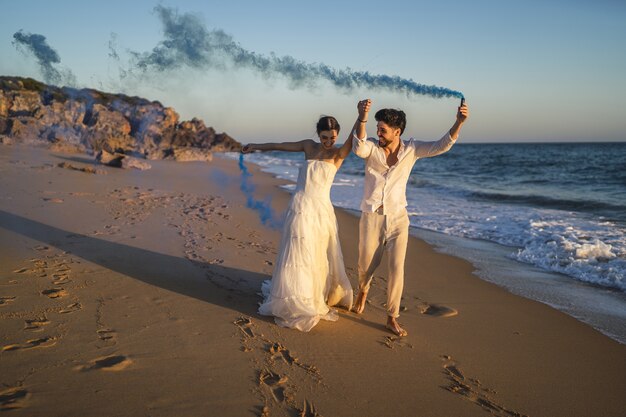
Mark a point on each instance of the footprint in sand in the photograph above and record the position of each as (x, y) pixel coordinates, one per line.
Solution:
(36, 325)
(472, 390)
(106, 334)
(60, 279)
(308, 410)
(63, 268)
(278, 351)
(438, 310)
(71, 308)
(245, 325)
(40, 266)
(55, 292)
(108, 363)
(273, 383)
(6, 300)
(31, 344)
(393, 342)
(13, 398)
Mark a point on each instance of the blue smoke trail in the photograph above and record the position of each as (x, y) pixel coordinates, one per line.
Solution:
(263, 208)
(188, 42)
(46, 57)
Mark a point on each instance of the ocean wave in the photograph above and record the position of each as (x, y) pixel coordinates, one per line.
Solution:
(557, 246)
(549, 202)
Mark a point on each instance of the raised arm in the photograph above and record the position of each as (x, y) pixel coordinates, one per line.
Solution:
(363, 108)
(428, 149)
(360, 145)
(345, 149)
(300, 146)
(461, 116)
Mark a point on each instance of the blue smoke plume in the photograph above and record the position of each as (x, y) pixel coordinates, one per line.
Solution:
(46, 57)
(187, 42)
(263, 208)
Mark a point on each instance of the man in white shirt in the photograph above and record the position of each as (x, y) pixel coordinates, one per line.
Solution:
(384, 223)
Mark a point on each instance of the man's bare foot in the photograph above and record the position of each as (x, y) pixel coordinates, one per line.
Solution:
(394, 326)
(359, 305)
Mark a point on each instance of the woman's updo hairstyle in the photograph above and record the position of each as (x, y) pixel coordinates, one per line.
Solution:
(327, 123)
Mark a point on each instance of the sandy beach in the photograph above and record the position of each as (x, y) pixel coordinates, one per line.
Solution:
(134, 293)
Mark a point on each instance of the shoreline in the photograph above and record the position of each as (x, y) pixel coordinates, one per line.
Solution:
(598, 307)
(133, 293)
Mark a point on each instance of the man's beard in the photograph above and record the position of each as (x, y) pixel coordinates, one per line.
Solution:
(383, 143)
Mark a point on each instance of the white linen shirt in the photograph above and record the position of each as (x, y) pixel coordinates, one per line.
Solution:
(386, 186)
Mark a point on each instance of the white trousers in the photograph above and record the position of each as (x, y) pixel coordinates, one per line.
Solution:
(388, 232)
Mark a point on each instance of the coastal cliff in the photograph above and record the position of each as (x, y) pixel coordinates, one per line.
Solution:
(92, 121)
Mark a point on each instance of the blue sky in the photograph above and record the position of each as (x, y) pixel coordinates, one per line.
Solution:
(531, 71)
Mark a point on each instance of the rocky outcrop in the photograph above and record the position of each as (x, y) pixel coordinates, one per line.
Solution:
(191, 154)
(91, 121)
(121, 160)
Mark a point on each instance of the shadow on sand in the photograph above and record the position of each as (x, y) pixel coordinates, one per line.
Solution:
(215, 284)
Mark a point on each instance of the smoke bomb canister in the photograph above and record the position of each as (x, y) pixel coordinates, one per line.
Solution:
(462, 101)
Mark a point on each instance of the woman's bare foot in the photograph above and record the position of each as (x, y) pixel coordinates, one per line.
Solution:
(394, 326)
(359, 305)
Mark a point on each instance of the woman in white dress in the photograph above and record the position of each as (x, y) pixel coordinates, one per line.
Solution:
(309, 274)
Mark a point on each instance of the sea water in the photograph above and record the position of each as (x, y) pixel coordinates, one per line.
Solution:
(559, 208)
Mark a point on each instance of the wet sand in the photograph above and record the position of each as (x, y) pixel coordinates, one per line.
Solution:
(133, 293)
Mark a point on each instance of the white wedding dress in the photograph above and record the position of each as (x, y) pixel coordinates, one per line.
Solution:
(309, 275)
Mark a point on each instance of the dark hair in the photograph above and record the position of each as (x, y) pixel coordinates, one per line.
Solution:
(392, 117)
(327, 123)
